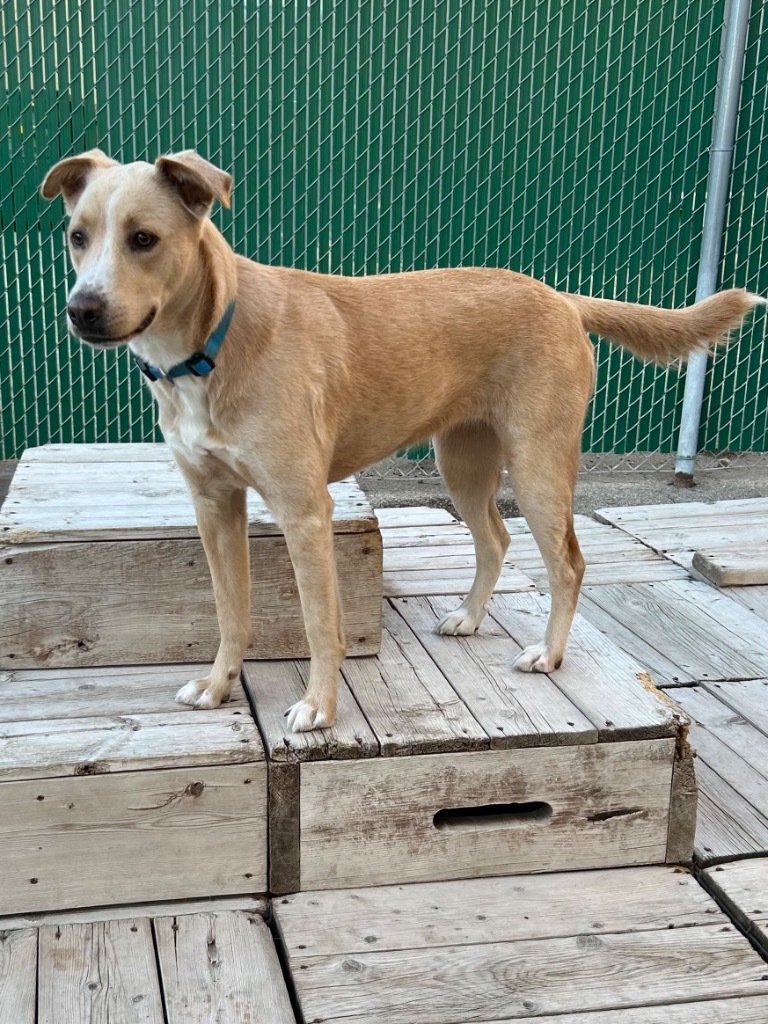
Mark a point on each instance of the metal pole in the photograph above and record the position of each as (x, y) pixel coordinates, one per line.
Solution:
(718, 187)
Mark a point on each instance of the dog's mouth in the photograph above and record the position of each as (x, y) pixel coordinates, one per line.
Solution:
(99, 341)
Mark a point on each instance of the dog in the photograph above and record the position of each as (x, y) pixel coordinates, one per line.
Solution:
(290, 380)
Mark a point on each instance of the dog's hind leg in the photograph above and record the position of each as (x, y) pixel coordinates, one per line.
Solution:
(470, 460)
(543, 468)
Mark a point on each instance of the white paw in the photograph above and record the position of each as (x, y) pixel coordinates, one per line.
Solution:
(459, 623)
(303, 717)
(190, 692)
(536, 659)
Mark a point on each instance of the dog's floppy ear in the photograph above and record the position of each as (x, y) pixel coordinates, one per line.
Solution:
(196, 182)
(68, 177)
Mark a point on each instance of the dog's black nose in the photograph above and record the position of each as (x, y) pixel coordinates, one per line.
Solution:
(86, 312)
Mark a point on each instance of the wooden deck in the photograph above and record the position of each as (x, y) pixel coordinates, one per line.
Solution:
(636, 945)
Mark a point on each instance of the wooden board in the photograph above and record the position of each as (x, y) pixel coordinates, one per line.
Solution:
(734, 566)
(126, 602)
(18, 969)
(742, 888)
(136, 492)
(172, 908)
(732, 772)
(98, 973)
(372, 822)
(690, 624)
(222, 968)
(165, 834)
(615, 958)
(415, 516)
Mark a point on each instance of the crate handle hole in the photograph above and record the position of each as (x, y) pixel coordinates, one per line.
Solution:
(535, 812)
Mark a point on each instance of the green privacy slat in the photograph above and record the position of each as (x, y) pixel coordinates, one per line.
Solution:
(567, 140)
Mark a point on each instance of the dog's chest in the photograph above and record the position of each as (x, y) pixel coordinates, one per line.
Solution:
(188, 425)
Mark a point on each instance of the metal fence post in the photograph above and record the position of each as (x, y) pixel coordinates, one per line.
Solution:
(718, 189)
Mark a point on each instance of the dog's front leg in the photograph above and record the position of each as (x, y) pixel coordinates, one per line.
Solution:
(308, 530)
(220, 509)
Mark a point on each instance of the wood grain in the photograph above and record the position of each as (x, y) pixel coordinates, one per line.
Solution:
(610, 806)
(18, 973)
(100, 973)
(734, 566)
(742, 887)
(220, 968)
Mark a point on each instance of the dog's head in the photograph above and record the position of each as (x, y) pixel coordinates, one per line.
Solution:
(134, 234)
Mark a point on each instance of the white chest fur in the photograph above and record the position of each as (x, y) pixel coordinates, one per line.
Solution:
(188, 425)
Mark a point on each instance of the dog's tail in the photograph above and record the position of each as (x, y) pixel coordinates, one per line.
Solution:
(664, 335)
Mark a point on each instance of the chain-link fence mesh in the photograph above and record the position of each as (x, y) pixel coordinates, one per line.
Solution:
(567, 140)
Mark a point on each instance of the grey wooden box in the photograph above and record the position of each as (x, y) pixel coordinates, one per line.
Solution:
(445, 763)
(110, 792)
(102, 565)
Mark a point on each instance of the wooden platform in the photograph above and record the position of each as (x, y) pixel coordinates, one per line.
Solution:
(189, 966)
(103, 565)
(635, 946)
(111, 792)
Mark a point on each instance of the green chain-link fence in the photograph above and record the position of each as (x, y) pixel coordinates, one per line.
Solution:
(567, 140)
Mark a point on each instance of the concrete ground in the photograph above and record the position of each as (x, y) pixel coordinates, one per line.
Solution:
(745, 477)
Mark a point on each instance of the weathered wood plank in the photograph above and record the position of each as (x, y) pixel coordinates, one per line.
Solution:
(140, 836)
(120, 743)
(220, 967)
(734, 566)
(170, 908)
(457, 581)
(87, 692)
(63, 608)
(18, 973)
(418, 515)
(683, 804)
(692, 625)
(742, 887)
(609, 806)
(101, 973)
(728, 825)
(406, 699)
(742, 1010)
(754, 598)
(730, 728)
(404, 537)
(482, 910)
(605, 684)
(683, 510)
(514, 708)
(513, 980)
(748, 698)
(99, 452)
(276, 686)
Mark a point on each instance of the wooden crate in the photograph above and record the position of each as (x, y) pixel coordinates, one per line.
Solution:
(633, 946)
(103, 565)
(111, 793)
(178, 964)
(445, 763)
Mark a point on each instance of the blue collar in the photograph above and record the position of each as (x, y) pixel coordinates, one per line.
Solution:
(199, 364)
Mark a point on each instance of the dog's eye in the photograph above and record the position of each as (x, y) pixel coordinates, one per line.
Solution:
(77, 238)
(143, 240)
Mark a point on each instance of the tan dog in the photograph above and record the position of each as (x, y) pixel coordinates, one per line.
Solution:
(319, 376)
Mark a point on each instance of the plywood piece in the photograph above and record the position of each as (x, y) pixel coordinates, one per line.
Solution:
(742, 887)
(63, 608)
(44, 694)
(605, 684)
(120, 743)
(481, 910)
(275, 687)
(406, 699)
(166, 834)
(514, 980)
(101, 973)
(372, 822)
(704, 632)
(514, 708)
(18, 973)
(220, 967)
(734, 566)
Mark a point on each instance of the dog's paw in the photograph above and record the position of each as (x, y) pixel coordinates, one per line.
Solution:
(197, 693)
(460, 623)
(304, 717)
(536, 659)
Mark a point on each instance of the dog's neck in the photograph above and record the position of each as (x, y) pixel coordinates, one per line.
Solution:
(186, 322)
